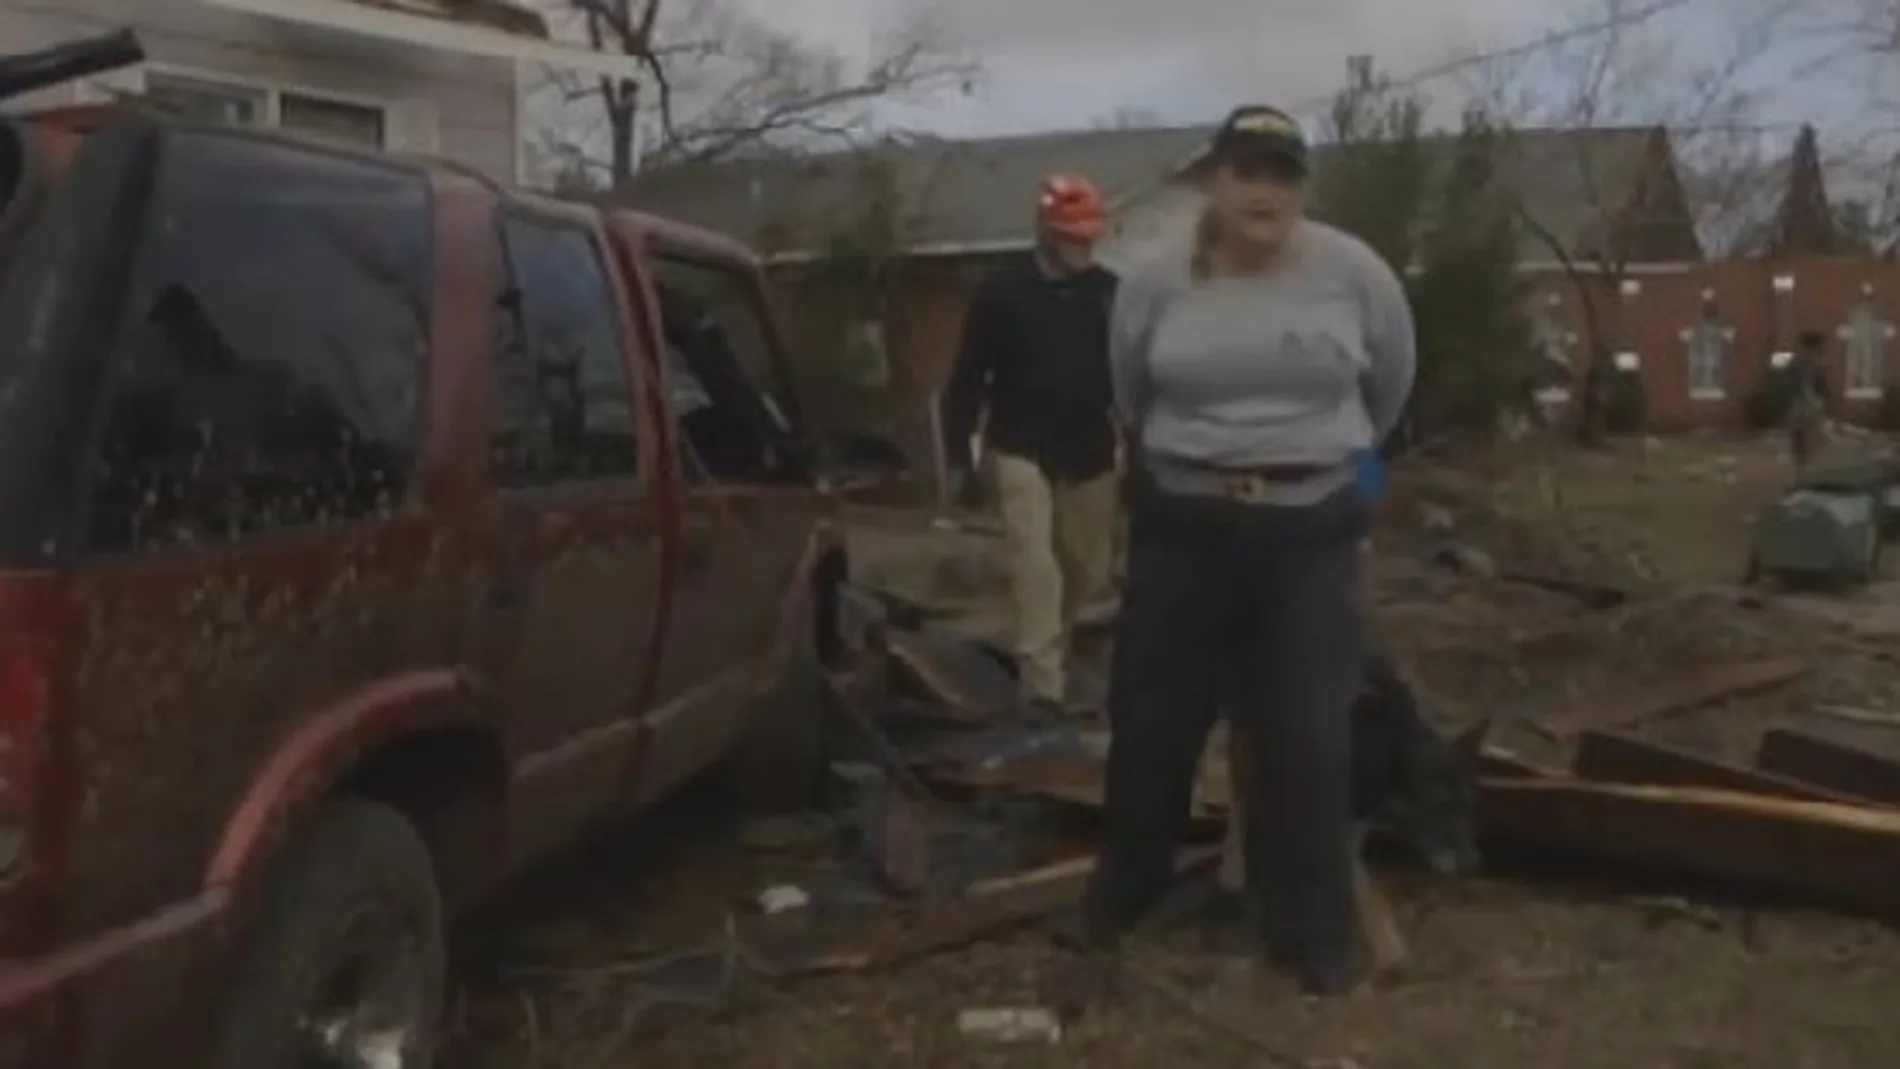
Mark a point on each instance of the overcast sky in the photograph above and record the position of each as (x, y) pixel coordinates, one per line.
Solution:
(1066, 63)
(1069, 63)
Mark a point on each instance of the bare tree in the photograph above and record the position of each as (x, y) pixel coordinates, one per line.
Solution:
(1632, 71)
(719, 82)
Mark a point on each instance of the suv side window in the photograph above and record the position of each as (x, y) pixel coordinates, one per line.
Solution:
(564, 410)
(272, 369)
(719, 359)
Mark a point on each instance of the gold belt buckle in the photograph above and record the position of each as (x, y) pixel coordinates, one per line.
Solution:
(1246, 489)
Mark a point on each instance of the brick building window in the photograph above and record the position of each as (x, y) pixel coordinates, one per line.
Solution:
(1865, 338)
(1707, 342)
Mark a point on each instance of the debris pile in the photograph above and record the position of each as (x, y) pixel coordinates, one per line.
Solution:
(1705, 733)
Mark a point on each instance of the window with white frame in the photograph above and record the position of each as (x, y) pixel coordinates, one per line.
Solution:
(325, 119)
(1865, 336)
(207, 101)
(311, 115)
(1708, 342)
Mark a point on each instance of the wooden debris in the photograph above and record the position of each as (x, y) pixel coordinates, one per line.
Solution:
(1696, 686)
(1613, 758)
(1825, 852)
(987, 906)
(1072, 779)
(1833, 761)
(1853, 715)
(970, 684)
(1380, 925)
(998, 903)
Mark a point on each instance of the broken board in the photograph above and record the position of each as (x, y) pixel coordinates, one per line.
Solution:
(1607, 757)
(1823, 852)
(1833, 760)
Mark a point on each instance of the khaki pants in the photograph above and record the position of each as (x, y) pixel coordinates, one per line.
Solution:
(1060, 542)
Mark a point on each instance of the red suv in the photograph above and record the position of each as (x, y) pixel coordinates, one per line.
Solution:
(366, 531)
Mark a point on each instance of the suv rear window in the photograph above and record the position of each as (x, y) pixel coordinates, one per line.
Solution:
(272, 368)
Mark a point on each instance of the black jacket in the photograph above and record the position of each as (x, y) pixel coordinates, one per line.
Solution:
(1035, 353)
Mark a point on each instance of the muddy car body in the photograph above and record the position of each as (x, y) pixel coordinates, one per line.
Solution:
(348, 527)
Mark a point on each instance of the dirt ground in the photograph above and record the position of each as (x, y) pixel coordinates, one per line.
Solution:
(1515, 969)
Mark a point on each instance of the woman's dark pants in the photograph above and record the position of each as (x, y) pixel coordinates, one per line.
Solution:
(1253, 609)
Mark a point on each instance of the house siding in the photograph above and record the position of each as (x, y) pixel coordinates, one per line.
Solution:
(470, 103)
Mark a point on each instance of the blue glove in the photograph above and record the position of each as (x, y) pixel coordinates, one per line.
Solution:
(1369, 474)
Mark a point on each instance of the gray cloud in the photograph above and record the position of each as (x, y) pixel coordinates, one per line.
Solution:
(1067, 62)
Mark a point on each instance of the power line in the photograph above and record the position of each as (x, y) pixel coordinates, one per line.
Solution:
(1542, 43)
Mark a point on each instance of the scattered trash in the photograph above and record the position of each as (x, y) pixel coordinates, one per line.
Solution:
(782, 899)
(1011, 1025)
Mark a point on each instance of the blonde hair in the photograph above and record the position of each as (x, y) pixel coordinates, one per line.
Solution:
(1206, 232)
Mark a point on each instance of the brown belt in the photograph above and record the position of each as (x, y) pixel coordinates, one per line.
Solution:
(1251, 484)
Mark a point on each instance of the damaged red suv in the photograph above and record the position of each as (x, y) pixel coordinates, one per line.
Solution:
(366, 532)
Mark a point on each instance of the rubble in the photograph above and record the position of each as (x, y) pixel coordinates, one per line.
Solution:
(1681, 689)
(1689, 732)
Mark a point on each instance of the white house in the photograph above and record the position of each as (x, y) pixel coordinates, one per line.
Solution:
(439, 77)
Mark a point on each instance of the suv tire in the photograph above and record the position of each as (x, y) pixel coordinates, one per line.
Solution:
(345, 954)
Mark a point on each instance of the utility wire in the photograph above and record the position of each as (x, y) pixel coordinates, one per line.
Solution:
(1542, 43)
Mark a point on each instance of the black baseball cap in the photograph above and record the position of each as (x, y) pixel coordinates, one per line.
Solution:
(1256, 139)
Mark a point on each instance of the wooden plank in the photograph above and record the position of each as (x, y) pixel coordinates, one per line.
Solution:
(1696, 686)
(1829, 763)
(1824, 852)
(1615, 758)
(1077, 779)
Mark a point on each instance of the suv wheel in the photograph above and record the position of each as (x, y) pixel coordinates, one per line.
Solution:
(345, 961)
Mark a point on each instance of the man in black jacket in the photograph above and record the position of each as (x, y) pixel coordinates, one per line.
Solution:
(1034, 366)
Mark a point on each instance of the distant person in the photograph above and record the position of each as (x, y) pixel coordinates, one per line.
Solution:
(1254, 367)
(1807, 405)
(1034, 367)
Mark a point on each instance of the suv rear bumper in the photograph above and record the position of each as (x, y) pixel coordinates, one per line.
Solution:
(120, 991)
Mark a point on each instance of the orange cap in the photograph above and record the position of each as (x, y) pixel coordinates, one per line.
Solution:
(1070, 207)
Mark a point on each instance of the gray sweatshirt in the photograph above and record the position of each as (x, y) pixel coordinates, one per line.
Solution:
(1305, 366)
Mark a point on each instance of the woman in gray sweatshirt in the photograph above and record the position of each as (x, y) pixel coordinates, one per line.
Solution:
(1253, 365)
